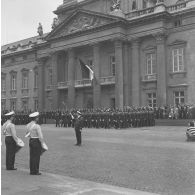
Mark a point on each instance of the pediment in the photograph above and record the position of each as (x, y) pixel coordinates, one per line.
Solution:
(79, 21)
(178, 42)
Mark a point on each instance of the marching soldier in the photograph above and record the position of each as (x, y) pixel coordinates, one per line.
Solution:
(36, 143)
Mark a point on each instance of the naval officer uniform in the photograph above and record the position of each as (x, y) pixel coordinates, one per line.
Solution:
(10, 140)
(36, 143)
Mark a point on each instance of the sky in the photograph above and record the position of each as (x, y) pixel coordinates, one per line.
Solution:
(20, 18)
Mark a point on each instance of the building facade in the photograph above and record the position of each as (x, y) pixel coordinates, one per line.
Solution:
(141, 52)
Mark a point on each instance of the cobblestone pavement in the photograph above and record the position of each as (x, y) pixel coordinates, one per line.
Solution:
(153, 159)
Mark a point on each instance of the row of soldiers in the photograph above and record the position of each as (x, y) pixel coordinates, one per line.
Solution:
(93, 118)
(108, 119)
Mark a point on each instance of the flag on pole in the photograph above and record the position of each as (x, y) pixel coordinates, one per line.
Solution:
(87, 72)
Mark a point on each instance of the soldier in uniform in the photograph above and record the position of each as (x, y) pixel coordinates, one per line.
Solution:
(78, 125)
(36, 143)
(10, 140)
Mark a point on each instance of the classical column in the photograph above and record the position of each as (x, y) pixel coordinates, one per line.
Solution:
(127, 75)
(96, 83)
(41, 83)
(135, 73)
(161, 69)
(55, 95)
(71, 78)
(119, 74)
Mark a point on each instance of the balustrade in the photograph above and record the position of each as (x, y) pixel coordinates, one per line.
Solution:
(107, 80)
(152, 77)
(176, 7)
(49, 87)
(138, 13)
(63, 85)
(83, 83)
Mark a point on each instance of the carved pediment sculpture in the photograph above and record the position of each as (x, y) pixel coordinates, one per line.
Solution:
(115, 5)
(80, 21)
(83, 23)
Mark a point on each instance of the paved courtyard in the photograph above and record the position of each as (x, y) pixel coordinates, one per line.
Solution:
(152, 159)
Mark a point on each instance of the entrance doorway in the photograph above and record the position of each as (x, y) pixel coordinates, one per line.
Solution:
(112, 103)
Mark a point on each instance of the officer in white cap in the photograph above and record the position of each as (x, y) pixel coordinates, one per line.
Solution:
(35, 143)
(78, 125)
(10, 140)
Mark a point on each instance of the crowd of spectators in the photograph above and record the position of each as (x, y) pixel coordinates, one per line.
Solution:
(175, 112)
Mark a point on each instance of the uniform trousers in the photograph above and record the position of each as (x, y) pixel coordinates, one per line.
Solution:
(78, 135)
(10, 152)
(35, 153)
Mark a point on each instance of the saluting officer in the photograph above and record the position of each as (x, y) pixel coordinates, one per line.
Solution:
(10, 140)
(78, 125)
(35, 143)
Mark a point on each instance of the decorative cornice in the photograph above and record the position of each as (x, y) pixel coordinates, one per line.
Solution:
(160, 37)
(25, 70)
(178, 42)
(13, 72)
(41, 61)
(149, 48)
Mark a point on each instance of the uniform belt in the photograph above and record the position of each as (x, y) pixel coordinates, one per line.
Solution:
(34, 137)
(8, 136)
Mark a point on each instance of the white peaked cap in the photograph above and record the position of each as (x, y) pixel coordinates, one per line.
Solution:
(34, 114)
(10, 113)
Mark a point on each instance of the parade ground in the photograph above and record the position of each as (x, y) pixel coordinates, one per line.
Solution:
(148, 160)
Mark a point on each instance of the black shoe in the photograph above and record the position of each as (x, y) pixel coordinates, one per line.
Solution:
(12, 169)
(35, 173)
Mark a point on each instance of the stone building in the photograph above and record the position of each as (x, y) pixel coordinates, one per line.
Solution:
(141, 52)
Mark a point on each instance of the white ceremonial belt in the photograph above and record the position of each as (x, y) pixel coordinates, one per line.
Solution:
(8, 136)
(33, 137)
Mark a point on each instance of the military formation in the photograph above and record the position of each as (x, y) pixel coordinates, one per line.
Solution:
(109, 118)
(93, 118)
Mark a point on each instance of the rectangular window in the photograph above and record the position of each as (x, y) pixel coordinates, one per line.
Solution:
(25, 105)
(3, 84)
(25, 81)
(152, 99)
(13, 82)
(113, 65)
(12, 104)
(179, 97)
(36, 79)
(150, 64)
(178, 59)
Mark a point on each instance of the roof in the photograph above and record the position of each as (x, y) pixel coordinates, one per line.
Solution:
(21, 45)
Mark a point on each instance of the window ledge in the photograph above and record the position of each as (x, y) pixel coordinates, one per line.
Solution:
(178, 85)
(180, 72)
